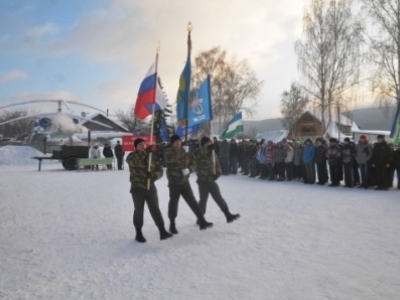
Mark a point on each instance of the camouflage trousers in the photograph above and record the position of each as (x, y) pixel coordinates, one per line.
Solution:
(206, 188)
(142, 196)
(184, 190)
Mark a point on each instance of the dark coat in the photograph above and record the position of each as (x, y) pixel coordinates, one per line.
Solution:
(348, 153)
(334, 154)
(280, 153)
(320, 154)
(107, 152)
(252, 151)
(118, 151)
(382, 154)
(233, 151)
(396, 158)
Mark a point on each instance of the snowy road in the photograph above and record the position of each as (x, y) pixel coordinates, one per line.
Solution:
(69, 235)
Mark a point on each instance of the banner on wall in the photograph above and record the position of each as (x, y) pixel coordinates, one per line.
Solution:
(127, 141)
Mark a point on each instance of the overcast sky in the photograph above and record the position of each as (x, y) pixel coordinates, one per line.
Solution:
(98, 51)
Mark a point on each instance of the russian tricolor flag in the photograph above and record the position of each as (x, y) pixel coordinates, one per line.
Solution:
(149, 94)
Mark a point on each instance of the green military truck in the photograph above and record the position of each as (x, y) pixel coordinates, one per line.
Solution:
(68, 156)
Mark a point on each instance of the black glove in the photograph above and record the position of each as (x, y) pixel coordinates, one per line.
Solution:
(216, 176)
(150, 175)
(211, 147)
(149, 149)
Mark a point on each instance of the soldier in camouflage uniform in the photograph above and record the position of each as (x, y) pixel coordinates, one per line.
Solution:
(206, 178)
(138, 162)
(179, 167)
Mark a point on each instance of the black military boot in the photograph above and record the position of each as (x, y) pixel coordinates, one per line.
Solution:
(164, 234)
(139, 236)
(203, 224)
(229, 217)
(172, 228)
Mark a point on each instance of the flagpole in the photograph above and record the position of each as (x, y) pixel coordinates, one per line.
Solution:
(211, 127)
(152, 114)
(189, 28)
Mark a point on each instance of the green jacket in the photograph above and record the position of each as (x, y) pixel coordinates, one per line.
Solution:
(138, 163)
(177, 160)
(204, 164)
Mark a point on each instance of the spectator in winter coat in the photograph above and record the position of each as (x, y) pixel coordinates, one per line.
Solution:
(95, 153)
(107, 152)
(216, 146)
(348, 153)
(280, 156)
(224, 156)
(119, 153)
(297, 157)
(261, 159)
(233, 156)
(308, 160)
(270, 160)
(243, 149)
(334, 155)
(289, 162)
(320, 161)
(251, 158)
(382, 156)
(363, 156)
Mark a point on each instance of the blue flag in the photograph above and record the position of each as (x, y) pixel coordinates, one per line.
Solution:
(163, 130)
(181, 130)
(184, 92)
(200, 109)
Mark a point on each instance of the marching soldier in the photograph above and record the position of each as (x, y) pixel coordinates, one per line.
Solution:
(179, 167)
(208, 171)
(138, 162)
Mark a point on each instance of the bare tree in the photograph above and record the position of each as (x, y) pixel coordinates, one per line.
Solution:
(128, 119)
(384, 49)
(329, 54)
(17, 129)
(293, 105)
(234, 85)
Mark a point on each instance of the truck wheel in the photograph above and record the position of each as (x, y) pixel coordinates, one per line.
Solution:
(70, 163)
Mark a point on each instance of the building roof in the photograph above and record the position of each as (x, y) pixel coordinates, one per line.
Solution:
(102, 119)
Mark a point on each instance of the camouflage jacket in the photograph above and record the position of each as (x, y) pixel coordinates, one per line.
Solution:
(204, 164)
(177, 160)
(138, 163)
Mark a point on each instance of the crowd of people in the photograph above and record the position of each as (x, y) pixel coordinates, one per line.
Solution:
(363, 165)
(108, 152)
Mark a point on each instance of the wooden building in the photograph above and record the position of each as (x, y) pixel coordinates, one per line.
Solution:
(309, 126)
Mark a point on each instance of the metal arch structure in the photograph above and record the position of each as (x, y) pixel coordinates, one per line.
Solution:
(59, 101)
(59, 110)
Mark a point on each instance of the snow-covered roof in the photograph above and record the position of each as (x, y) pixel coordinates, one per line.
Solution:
(343, 120)
(94, 115)
(275, 136)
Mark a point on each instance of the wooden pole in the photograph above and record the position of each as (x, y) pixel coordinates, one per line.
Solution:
(152, 119)
(189, 44)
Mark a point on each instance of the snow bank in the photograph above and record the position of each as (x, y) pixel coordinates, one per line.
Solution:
(18, 155)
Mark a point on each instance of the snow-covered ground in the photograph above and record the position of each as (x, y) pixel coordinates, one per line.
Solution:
(69, 235)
